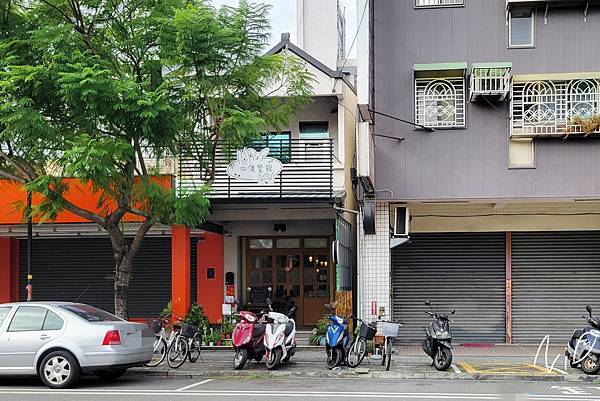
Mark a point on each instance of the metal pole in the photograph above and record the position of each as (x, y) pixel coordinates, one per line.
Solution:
(29, 240)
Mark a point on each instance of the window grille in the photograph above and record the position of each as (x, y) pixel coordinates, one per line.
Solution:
(438, 3)
(440, 103)
(550, 107)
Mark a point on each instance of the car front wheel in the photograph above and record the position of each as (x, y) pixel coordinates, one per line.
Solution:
(59, 369)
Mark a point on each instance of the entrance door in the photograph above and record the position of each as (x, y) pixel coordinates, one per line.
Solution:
(298, 270)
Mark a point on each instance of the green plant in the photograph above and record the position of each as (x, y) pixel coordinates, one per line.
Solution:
(197, 317)
(227, 327)
(167, 310)
(319, 331)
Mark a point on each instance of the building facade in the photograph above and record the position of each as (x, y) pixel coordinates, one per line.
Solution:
(480, 140)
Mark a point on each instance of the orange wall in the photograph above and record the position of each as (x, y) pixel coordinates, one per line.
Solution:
(210, 291)
(13, 199)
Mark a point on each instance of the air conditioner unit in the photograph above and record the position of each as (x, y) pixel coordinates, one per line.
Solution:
(401, 220)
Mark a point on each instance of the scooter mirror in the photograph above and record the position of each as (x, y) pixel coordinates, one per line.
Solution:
(589, 309)
(270, 289)
(249, 289)
(327, 306)
(453, 311)
(427, 303)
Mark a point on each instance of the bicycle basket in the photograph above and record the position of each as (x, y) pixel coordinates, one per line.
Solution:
(367, 331)
(155, 325)
(188, 330)
(389, 329)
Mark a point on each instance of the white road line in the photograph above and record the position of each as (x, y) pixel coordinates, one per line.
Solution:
(194, 385)
(456, 369)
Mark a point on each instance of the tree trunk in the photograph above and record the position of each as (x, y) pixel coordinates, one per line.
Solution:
(123, 253)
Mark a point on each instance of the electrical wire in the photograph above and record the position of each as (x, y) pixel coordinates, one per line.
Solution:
(353, 41)
(429, 129)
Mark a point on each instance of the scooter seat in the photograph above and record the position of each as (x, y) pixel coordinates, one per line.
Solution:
(289, 326)
(259, 330)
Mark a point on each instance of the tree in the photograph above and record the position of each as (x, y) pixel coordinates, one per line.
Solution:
(88, 87)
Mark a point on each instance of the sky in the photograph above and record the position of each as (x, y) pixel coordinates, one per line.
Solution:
(283, 19)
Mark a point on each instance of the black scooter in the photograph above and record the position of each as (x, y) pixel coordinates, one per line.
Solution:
(584, 347)
(438, 339)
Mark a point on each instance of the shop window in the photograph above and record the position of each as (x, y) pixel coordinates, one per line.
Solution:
(260, 244)
(315, 243)
(288, 243)
(521, 28)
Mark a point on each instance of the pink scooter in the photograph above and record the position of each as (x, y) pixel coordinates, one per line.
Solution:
(248, 339)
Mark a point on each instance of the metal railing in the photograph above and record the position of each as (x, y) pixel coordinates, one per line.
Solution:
(490, 84)
(434, 3)
(552, 108)
(307, 172)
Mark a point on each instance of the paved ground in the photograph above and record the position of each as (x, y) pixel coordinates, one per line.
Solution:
(146, 388)
(480, 363)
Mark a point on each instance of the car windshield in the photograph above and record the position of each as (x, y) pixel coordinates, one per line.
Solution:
(90, 313)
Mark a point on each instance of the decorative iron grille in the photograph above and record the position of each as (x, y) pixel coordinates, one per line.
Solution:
(549, 108)
(307, 174)
(440, 103)
(437, 3)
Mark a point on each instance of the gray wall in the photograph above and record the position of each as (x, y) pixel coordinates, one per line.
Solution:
(473, 162)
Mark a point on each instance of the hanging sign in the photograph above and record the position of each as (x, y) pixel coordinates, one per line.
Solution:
(254, 166)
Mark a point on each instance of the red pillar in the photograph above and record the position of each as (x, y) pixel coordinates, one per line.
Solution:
(9, 270)
(180, 270)
(210, 275)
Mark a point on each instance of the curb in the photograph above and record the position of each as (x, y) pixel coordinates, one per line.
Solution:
(252, 374)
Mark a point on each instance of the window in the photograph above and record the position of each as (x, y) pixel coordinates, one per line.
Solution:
(28, 318)
(261, 244)
(90, 313)
(314, 130)
(521, 28)
(279, 144)
(4, 311)
(440, 103)
(52, 321)
(438, 3)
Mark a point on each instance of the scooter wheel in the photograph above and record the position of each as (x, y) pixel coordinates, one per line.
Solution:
(442, 358)
(591, 364)
(274, 359)
(334, 358)
(239, 361)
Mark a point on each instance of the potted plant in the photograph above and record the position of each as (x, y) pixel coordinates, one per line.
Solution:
(318, 335)
(227, 329)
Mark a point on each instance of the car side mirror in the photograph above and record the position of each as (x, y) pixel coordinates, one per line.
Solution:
(453, 311)
(589, 309)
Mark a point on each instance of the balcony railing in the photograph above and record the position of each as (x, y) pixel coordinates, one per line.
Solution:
(306, 173)
(490, 81)
(552, 108)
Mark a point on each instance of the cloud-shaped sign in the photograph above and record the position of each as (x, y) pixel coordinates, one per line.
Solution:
(254, 166)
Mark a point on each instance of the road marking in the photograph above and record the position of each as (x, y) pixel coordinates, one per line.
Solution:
(195, 385)
(455, 368)
(234, 393)
(504, 369)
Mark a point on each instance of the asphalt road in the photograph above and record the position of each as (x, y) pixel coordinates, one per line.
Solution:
(149, 388)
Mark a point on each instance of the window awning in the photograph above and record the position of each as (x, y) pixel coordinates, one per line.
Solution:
(434, 70)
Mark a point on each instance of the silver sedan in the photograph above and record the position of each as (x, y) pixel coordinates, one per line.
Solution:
(59, 341)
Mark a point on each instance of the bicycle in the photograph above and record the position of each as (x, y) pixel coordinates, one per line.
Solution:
(161, 343)
(186, 345)
(358, 350)
(389, 330)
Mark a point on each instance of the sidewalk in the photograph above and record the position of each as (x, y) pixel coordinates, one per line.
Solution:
(500, 362)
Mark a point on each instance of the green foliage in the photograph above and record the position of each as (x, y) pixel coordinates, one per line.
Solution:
(167, 310)
(319, 331)
(197, 317)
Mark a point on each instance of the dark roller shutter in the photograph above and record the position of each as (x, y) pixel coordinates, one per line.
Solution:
(65, 269)
(554, 276)
(462, 271)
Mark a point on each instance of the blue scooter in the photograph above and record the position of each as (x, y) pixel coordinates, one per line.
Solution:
(337, 339)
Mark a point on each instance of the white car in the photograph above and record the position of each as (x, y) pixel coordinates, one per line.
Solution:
(59, 341)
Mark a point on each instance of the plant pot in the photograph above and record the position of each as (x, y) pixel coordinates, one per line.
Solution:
(211, 344)
(322, 341)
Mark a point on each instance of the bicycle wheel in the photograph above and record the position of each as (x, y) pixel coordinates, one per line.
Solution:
(357, 352)
(160, 352)
(195, 347)
(178, 352)
(388, 353)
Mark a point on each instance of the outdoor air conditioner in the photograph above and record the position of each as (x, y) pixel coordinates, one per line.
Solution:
(401, 220)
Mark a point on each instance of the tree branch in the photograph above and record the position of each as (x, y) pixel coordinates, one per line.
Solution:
(12, 177)
(139, 236)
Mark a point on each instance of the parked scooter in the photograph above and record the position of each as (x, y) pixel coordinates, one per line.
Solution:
(280, 337)
(584, 347)
(248, 339)
(337, 339)
(438, 341)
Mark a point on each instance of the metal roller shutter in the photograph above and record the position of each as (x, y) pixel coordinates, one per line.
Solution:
(554, 276)
(462, 271)
(68, 268)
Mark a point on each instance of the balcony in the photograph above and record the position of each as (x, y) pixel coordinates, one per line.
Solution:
(517, 3)
(294, 169)
(490, 80)
(555, 108)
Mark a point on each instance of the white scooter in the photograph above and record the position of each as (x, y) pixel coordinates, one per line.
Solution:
(280, 337)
